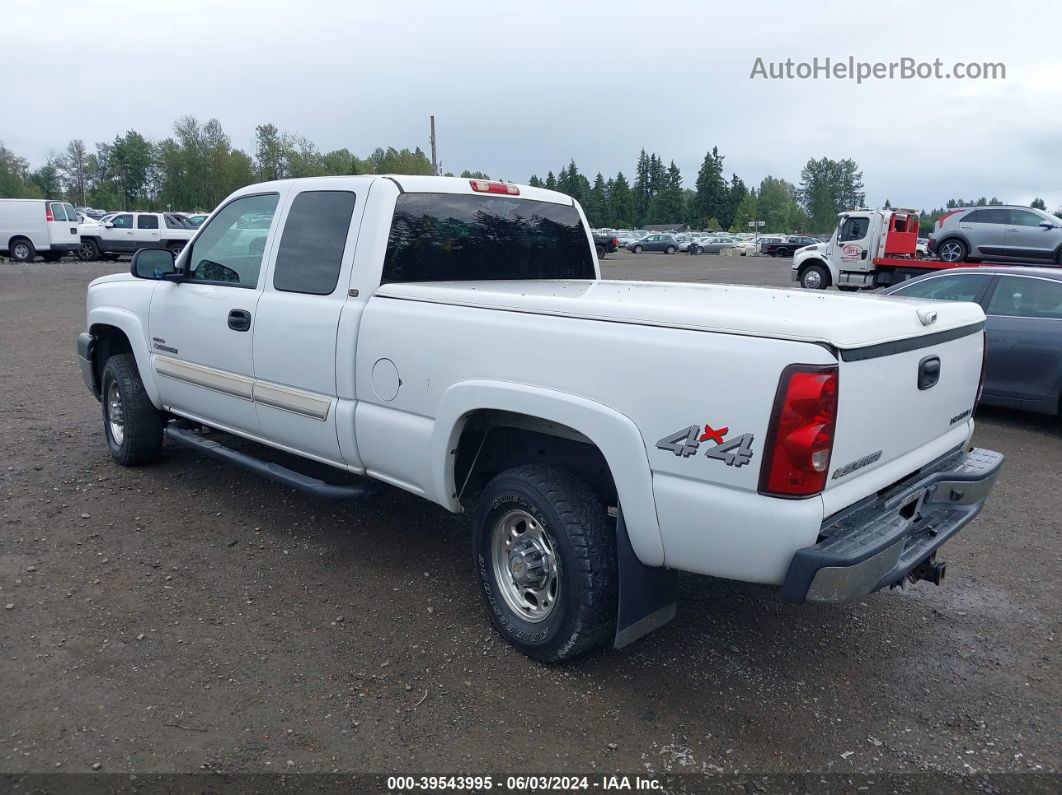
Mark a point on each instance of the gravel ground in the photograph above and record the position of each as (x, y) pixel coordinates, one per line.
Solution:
(189, 616)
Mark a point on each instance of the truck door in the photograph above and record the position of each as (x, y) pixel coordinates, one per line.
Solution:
(851, 252)
(118, 233)
(297, 322)
(147, 233)
(201, 328)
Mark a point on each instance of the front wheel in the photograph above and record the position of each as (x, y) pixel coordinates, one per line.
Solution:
(132, 425)
(669, 250)
(545, 558)
(815, 278)
(89, 250)
(175, 248)
(637, 249)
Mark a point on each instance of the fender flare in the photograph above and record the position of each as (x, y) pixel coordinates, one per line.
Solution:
(615, 434)
(130, 325)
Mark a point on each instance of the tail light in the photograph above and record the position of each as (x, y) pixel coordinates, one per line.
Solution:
(489, 186)
(984, 369)
(940, 221)
(800, 436)
(615, 242)
(48, 213)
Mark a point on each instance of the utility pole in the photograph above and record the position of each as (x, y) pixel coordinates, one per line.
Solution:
(434, 161)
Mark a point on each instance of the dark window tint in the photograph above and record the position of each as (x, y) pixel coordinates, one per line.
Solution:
(58, 211)
(144, 221)
(1018, 296)
(956, 287)
(443, 237)
(123, 221)
(986, 217)
(176, 221)
(854, 229)
(311, 248)
(71, 213)
(1025, 218)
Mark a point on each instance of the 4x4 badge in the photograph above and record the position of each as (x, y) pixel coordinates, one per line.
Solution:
(734, 453)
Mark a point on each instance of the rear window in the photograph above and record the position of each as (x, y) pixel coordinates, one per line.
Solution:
(453, 237)
(311, 248)
(176, 222)
(144, 221)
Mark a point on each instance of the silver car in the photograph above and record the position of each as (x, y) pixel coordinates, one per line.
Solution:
(997, 232)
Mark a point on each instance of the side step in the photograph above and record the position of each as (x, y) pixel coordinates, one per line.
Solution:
(268, 469)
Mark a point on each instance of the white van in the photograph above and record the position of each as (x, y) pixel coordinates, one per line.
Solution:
(29, 227)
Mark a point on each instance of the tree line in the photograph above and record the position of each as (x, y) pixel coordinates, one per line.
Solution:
(197, 166)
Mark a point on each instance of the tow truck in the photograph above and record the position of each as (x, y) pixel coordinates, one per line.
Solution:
(869, 249)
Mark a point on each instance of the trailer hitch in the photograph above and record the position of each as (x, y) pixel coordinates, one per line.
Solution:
(930, 570)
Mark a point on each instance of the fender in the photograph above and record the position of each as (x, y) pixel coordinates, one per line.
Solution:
(134, 331)
(615, 435)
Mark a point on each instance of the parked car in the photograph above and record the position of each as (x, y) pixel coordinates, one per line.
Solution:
(922, 247)
(998, 232)
(1023, 328)
(605, 244)
(714, 244)
(655, 242)
(124, 233)
(482, 363)
(29, 227)
(196, 219)
(789, 246)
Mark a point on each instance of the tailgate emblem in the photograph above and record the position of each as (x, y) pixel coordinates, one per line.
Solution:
(927, 316)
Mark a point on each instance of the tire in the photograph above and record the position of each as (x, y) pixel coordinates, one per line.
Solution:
(637, 249)
(22, 250)
(175, 247)
(815, 277)
(699, 250)
(669, 250)
(90, 250)
(600, 251)
(557, 519)
(1058, 257)
(953, 250)
(132, 425)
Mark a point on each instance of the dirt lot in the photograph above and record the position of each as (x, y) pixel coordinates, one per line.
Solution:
(189, 616)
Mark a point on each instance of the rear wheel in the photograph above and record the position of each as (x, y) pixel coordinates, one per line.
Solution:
(545, 558)
(953, 251)
(89, 250)
(669, 250)
(132, 425)
(176, 247)
(22, 250)
(600, 251)
(815, 278)
(637, 249)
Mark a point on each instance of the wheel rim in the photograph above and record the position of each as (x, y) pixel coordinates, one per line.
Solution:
(526, 567)
(812, 280)
(115, 413)
(86, 251)
(21, 251)
(176, 249)
(950, 252)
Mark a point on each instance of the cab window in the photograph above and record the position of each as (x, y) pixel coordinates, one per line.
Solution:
(853, 229)
(146, 221)
(229, 250)
(1019, 296)
(311, 248)
(122, 221)
(954, 287)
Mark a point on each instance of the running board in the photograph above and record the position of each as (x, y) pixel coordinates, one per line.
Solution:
(268, 469)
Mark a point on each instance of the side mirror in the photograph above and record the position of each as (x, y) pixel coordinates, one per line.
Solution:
(1047, 225)
(109, 225)
(153, 263)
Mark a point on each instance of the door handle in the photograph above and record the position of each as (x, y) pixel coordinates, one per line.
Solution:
(240, 320)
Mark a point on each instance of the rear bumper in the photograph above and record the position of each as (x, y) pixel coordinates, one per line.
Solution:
(86, 349)
(878, 542)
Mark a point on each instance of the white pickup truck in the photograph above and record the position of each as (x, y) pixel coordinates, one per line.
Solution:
(452, 338)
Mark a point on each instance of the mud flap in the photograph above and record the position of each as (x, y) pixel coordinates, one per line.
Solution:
(647, 594)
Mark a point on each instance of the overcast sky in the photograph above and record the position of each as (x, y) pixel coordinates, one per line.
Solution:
(521, 88)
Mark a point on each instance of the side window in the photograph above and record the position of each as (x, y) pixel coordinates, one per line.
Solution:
(230, 248)
(311, 248)
(58, 211)
(147, 221)
(122, 221)
(986, 217)
(854, 229)
(956, 287)
(71, 213)
(1024, 218)
(1017, 296)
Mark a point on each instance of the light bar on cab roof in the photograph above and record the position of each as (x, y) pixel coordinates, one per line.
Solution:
(489, 186)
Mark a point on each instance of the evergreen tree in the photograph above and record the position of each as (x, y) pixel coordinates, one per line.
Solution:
(596, 203)
(643, 193)
(735, 197)
(713, 197)
(621, 201)
(551, 181)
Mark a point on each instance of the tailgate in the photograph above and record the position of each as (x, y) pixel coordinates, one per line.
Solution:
(899, 403)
